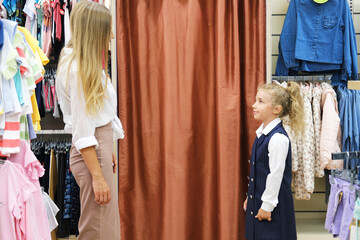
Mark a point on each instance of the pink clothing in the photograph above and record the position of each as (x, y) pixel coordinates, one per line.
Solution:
(33, 170)
(57, 19)
(16, 190)
(46, 28)
(10, 142)
(330, 129)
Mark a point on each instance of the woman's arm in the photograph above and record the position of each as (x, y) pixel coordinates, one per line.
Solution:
(100, 186)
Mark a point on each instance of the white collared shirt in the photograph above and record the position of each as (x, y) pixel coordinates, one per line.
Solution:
(278, 150)
(72, 103)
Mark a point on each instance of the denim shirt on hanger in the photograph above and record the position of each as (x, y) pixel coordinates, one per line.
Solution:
(357, 111)
(343, 100)
(323, 35)
(355, 122)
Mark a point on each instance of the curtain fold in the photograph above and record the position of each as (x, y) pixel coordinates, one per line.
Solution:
(188, 71)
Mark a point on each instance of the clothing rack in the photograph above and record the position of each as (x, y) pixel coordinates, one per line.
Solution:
(352, 84)
(312, 78)
(351, 170)
(344, 155)
(52, 132)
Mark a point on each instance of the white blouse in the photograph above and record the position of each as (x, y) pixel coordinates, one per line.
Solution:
(72, 103)
(278, 149)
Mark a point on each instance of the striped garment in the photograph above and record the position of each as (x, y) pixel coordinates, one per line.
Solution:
(24, 128)
(10, 141)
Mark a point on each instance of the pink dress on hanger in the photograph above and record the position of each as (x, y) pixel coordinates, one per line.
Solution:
(33, 170)
(15, 193)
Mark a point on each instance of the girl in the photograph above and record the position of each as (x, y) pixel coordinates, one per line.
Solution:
(88, 103)
(269, 205)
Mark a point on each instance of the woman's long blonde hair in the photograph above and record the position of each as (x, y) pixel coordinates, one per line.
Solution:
(90, 27)
(291, 101)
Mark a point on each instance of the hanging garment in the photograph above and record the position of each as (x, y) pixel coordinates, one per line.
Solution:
(8, 65)
(304, 177)
(67, 32)
(58, 178)
(35, 115)
(1, 34)
(321, 43)
(16, 191)
(24, 128)
(51, 211)
(340, 208)
(316, 110)
(10, 6)
(46, 28)
(32, 134)
(33, 170)
(30, 11)
(15, 11)
(294, 144)
(34, 44)
(57, 19)
(10, 142)
(330, 138)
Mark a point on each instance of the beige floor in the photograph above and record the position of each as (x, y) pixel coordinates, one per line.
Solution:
(70, 238)
(312, 229)
(307, 229)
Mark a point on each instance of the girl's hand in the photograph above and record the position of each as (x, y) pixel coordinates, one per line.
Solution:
(245, 205)
(114, 165)
(263, 215)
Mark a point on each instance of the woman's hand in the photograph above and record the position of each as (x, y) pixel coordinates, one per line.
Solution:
(263, 215)
(101, 190)
(245, 205)
(114, 164)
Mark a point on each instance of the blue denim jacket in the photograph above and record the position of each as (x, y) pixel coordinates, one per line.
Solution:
(349, 113)
(343, 100)
(322, 35)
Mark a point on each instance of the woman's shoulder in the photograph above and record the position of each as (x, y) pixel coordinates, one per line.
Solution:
(66, 61)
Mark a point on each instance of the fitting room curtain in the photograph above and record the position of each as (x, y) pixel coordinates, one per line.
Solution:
(188, 71)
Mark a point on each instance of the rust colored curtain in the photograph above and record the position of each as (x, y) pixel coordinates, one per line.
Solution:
(187, 76)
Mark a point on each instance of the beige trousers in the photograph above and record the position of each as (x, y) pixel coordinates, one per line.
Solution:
(97, 222)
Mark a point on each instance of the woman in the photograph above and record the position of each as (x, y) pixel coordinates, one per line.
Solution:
(88, 102)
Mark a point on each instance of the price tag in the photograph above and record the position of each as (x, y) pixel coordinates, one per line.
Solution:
(37, 6)
(62, 12)
(52, 4)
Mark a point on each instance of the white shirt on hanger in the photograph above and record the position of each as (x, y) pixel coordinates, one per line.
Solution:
(72, 103)
(67, 24)
(278, 150)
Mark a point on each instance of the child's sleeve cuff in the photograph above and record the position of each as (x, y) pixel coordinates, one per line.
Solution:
(267, 207)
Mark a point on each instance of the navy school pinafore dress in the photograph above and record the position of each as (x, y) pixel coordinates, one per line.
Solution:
(282, 225)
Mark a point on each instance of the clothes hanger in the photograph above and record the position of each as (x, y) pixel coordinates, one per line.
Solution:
(344, 173)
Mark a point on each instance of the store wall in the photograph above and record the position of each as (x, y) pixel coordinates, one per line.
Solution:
(316, 207)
